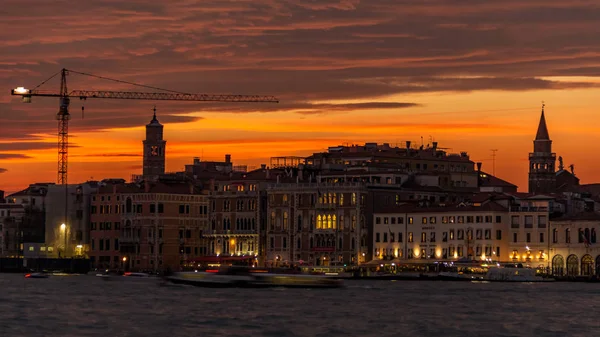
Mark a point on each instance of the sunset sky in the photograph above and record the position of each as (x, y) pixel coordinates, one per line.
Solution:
(469, 74)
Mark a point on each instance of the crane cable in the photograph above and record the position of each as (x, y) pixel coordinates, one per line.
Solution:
(126, 82)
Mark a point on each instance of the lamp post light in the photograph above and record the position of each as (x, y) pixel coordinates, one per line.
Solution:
(63, 228)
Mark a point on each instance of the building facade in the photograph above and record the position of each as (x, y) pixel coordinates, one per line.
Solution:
(150, 226)
(574, 249)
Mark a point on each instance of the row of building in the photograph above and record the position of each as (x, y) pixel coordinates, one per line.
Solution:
(351, 205)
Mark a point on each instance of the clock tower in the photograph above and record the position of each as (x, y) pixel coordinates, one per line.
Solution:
(154, 150)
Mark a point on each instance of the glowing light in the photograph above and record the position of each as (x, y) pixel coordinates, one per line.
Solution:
(79, 246)
(63, 227)
(21, 90)
(124, 258)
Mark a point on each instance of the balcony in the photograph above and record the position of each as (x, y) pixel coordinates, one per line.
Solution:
(129, 239)
(528, 209)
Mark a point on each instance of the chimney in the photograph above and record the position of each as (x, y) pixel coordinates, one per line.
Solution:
(434, 146)
(228, 158)
(263, 166)
(408, 146)
(268, 173)
(479, 174)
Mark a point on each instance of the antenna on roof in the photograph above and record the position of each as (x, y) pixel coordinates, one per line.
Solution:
(494, 161)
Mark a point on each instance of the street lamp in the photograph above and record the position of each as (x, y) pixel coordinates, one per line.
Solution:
(63, 228)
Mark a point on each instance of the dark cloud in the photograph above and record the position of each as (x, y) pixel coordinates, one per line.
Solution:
(21, 146)
(2, 170)
(301, 51)
(13, 156)
(109, 155)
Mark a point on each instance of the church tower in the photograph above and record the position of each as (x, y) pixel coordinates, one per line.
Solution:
(542, 175)
(154, 150)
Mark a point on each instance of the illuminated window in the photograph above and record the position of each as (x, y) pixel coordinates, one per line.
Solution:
(334, 201)
(285, 198)
(329, 223)
(353, 199)
(334, 218)
(272, 220)
(341, 199)
(319, 222)
(285, 220)
(354, 222)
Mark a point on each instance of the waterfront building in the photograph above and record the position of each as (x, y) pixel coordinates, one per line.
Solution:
(147, 226)
(67, 220)
(528, 239)
(574, 248)
(316, 224)
(26, 222)
(412, 233)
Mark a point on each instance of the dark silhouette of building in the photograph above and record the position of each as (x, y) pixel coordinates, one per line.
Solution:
(154, 150)
(542, 175)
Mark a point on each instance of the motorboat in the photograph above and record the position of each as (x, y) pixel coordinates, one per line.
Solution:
(127, 276)
(244, 277)
(36, 275)
(513, 273)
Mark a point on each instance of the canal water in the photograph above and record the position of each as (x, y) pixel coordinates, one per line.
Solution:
(87, 306)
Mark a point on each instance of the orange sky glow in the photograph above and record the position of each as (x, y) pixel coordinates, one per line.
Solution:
(468, 76)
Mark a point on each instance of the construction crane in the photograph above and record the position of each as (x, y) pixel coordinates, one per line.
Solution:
(63, 115)
(65, 96)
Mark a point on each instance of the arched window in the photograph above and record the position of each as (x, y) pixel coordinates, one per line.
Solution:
(272, 220)
(353, 244)
(311, 242)
(587, 236)
(285, 220)
(334, 218)
(128, 205)
(299, 244)
(237, 224)
(568, 235)
(329, 221)
(587, 265)
(299, 223)
(253, 224)
(572, 265)
(341, 199)
(593, 236)
(558, 265)
(340, 244)
(319, 222)
(334, 201)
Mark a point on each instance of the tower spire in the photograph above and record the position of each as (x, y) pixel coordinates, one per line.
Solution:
(542, 131)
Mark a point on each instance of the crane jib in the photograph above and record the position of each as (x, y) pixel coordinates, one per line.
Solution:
(158, 96)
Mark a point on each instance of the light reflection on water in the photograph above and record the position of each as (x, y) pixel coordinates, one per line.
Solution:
(87, 306)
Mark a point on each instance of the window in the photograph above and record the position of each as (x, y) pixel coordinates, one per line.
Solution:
(541, 237)
(515, 237)
(528, 221)
(432, 220)
(385, 237)
(432, 237)
(410, 237)
(377, 220)
(488, 234)
(514, 221)
(498, 234)
(445, 237)
(377, 239)
(498, 219)
(424, 220)
(568, 235)
(554, 235)
(400, 237)
(423, 237)
(285, 219)
(452, 234)
(528, 236)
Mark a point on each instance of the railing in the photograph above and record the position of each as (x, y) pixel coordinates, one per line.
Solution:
(528, 209)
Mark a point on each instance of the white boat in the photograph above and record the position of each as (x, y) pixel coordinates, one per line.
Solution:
(243, 277)
(512, 273)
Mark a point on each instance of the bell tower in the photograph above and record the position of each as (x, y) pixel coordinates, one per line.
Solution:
(154, 150)
(542, 171)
